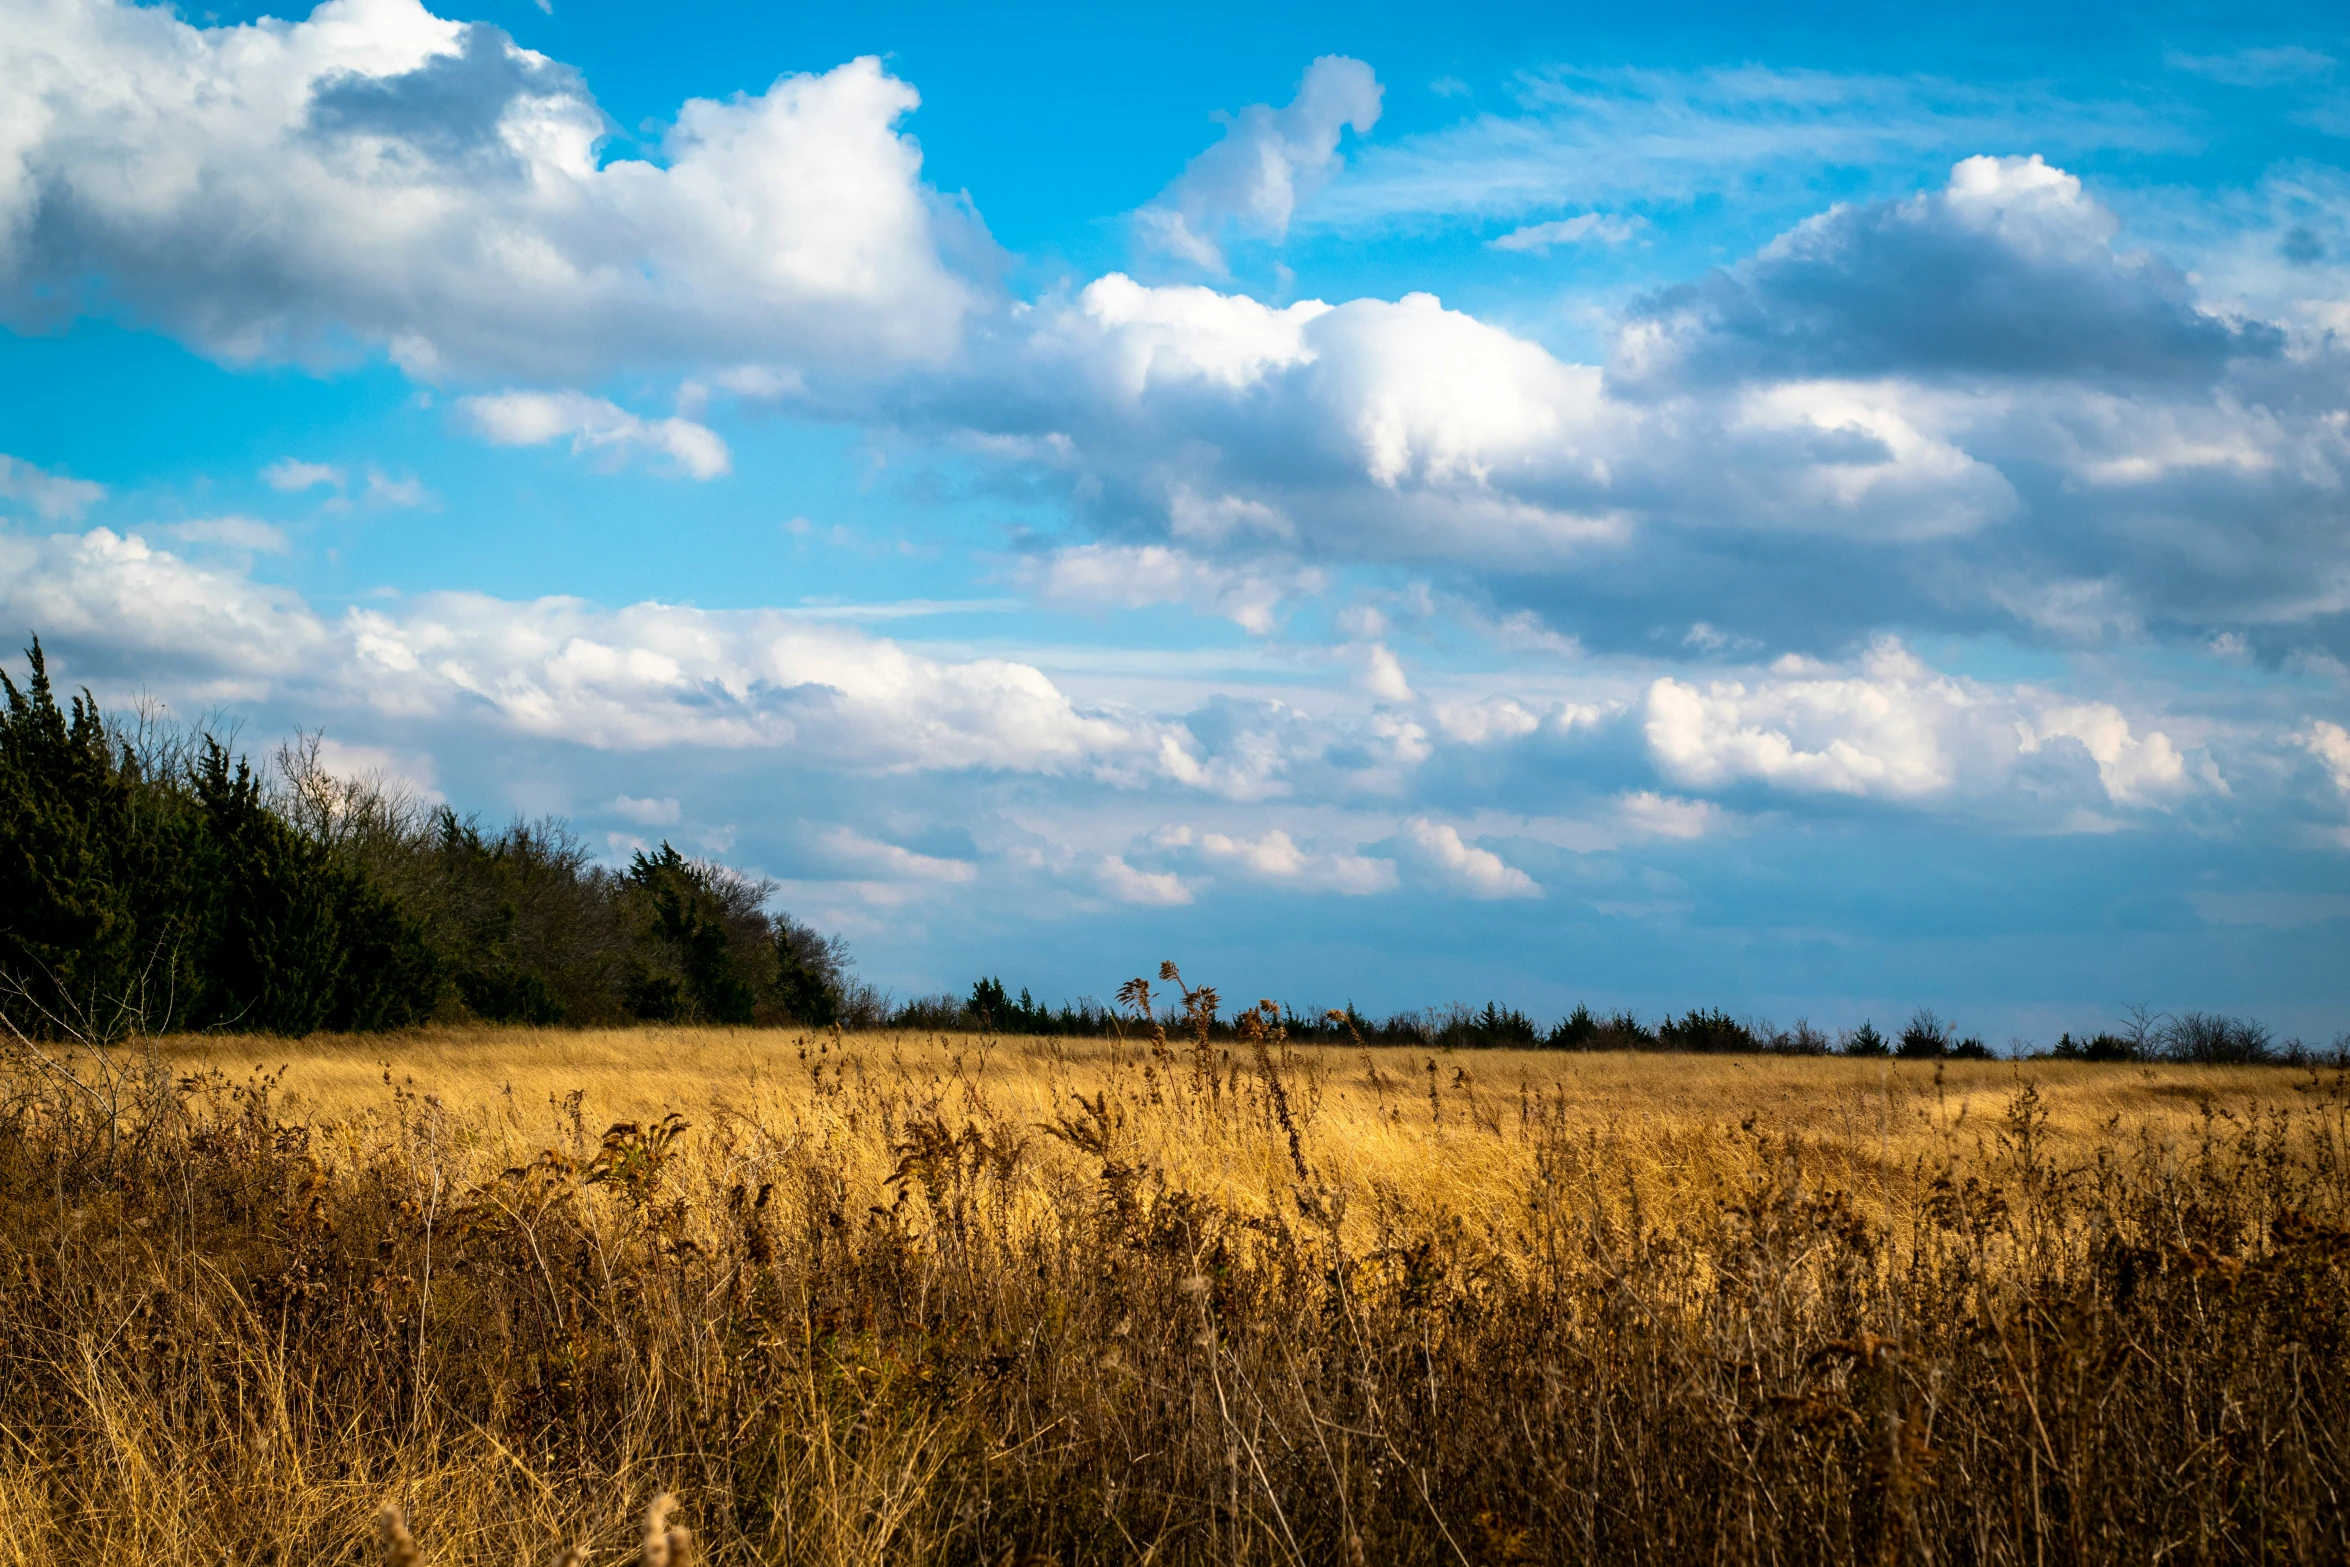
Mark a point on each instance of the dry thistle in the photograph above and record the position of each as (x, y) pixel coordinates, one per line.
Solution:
(399, 1545)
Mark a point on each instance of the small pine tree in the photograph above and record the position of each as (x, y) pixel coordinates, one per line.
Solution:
(1578, 1030)
(1866, 1041)
(990, 1004)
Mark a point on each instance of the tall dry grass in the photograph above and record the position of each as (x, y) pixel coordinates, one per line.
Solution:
(906, 1299)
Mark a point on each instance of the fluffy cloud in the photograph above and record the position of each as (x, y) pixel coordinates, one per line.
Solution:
(1436, 852)
(2135, 769)
(641, 677)
(1366, 429)
(2010, 269)
(2330, 744)
(1970, 409)
(1380, 673)
(382, 174)
(651, 675)
(128, 608)
(1892, 728)
(594, 425)
(1269, 160)
(397, 771)
(1876, 733)
(384, 490)
(1277, 859)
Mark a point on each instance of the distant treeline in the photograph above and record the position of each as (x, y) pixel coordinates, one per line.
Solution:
(2188, 1036)
(149, 881)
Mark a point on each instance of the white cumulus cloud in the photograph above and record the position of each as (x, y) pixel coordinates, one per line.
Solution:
(1436, 851)
(1889, 727)
(1276, 858)
(133, 606)
(1876, 731)
(2135, 769)
(2330, 744)
(380, 172)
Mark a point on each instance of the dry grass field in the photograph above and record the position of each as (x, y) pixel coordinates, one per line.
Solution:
(1369, 1118)
(884, 1298)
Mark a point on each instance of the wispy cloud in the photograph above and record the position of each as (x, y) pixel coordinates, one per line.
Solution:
(1250, 182)
(593, 425)
(406, 490)
(1583, 228)
(2258, 67)
(54, 497)
(1607, 137)
(292, 475)
(660, 812)
(234, 533)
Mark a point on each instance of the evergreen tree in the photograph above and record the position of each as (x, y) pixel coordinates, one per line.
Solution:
(155, 882)
(93, 873)
(688, 923)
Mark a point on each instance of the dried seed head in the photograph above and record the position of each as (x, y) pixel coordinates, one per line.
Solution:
(399, 1545)
(656, 1550)
(667, 1544)
(577, 1556)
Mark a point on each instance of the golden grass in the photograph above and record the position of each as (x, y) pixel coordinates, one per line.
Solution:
(966, 1299)
(1369, 1117)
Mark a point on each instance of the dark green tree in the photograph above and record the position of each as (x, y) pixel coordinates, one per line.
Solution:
(292, 940)
(700, 979)
(93, 872)
(990, 1004)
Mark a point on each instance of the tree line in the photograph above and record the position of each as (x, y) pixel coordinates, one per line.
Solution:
(152, 881)
(2203, 1037)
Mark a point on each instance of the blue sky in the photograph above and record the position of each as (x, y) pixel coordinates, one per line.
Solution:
(1814, 514)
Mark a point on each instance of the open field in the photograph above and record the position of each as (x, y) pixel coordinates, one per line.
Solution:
(1873, 1125)
(982, 1299)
